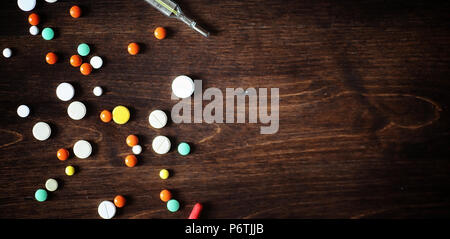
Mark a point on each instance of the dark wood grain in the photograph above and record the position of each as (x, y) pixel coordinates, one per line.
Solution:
(364, 109)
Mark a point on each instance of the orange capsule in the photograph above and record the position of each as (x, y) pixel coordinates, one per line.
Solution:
(132, 140)
(33, 19)
(106, 116)
(86, 69)
(165, 195)
(62, 154)
(119, 201)
(160, 33)
(131, 160)
(75, 11)
(133, 48)
(75, 60)
(51, 58)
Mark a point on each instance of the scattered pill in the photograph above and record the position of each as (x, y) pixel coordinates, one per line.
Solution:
(130, 160)
(161, 144)
(106, 116)
(75, 60)
(40, 195)
(76, 110)
(26, 5)
(165, 195)
(173, 205)
(48, 33)
(133, 48)
(195, 213)
(51, 1)
(65, 91)
(164, 174)
(121, 114)
(85, 69)
(62, 154)
(98, 91)
(137, 149)
(184, 148)
(51, 58)
(51, 184)
(96, 62)
(119, 201)
(34, 30)
(183, 86)
(41, 131)
(7, 52)
(106, 210)
(157, 119)
(75, 11)
(132, 140)
(82, 149)
(83, 49)
(70, 170)
(160, 33)
(23, 111)
(33, 19)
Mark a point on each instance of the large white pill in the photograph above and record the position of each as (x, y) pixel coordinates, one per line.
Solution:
(41, 131)
(183, 86)
(34, 30)
(23, 111)
(106, 210)
(65, 91)
(98, 91)
(82, 149)
(96, 62)
(157, 119)
(7, 52)
(76, 110)
(137, 149)
(26, 5)
(161, 144)
(51, 184)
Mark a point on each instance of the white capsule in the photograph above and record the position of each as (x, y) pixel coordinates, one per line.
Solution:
(7, 52)
(34, 30)
(161, 144)
(51, 1)
(96, 62)
(23, 111)
(183, 86)
(137, 149)
(98, 91)
(26, 5)
(51, 184)
(157, 119)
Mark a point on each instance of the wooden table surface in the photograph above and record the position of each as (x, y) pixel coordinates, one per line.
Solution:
(364, 109)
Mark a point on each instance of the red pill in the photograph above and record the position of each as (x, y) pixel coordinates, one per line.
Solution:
(62, 154)
(85, 69)
(75, 11)
(196, 211)
(51, 58)
(119, 201)
(33, 19)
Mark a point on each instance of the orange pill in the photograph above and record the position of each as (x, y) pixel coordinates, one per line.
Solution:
(106, 116)
(75, 60)
(75, 11)
(86, 69)
(119, 201)
(130, 160)
(133, 48)
(160, 33)
(132, 140)
(51, 58)
(62, 154)
(165, 195)
(33, 19)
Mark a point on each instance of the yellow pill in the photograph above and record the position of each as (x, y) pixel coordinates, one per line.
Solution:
(164, 174)
(121, 114)
(70, 170)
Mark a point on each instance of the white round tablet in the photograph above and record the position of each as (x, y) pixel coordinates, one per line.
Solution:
(161, 144)
(137, 149)
(41, 131)
(26, 5)
(76, 110)
(7, 52)
(65, 91)
(51, 1)
(183, 86)
(51, 184)
(96, 62)
(98, 91)
(157, 119)
(34, 30)
(82, 149)
(23, 111)
(106, 210)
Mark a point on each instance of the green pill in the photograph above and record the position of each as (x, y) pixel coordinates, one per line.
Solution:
(48, 33)
(173, 205)
(40, 195)
(184, 148)
(83, 49)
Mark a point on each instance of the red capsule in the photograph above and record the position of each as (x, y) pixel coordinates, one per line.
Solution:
(196, 211)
